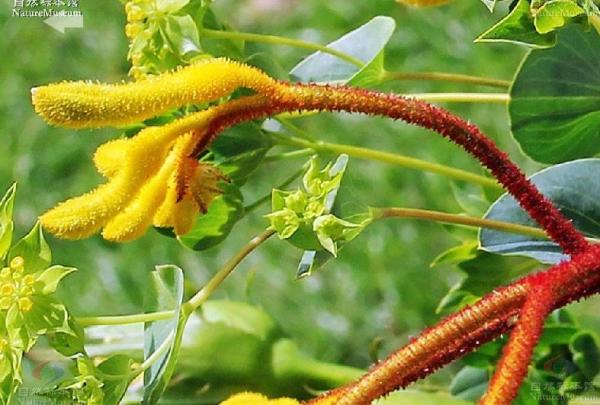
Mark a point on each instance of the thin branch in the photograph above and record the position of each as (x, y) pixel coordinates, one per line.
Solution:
(201, 296)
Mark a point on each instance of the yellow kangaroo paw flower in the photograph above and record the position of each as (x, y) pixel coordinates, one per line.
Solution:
(82, 216)
(109, 157)
(85, 104)
(137, 216)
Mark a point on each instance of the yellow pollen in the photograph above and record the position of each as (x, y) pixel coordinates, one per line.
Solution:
(25, 304)
(3, 345)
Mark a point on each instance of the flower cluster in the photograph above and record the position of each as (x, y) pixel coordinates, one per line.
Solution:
(162, 34)
(16, 288)
(303, 216)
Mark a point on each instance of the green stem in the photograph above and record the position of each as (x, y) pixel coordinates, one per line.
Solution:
(287, 182)
(464, 220)
(157, 354)
(457, 219)
(193, 303)
(123, 319)
(445, 77)
(276, 40)
(289, 155)
(201, 296)
(391, 158)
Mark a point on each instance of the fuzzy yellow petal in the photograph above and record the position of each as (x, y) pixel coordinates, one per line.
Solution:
(86, 104)
(137, 217)
(251, 398)
(82, 216)
(109, 157)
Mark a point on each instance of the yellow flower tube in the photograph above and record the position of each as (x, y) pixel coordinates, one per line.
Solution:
(87, 105)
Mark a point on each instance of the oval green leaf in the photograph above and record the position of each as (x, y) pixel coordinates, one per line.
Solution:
(165, 293)
(555, 100)
(365, 43)
(214, 226)
(574, 187)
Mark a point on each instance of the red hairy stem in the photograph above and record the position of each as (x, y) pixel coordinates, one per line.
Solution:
(512, 368)
(299, 97)
(474, 325)
(492, 315)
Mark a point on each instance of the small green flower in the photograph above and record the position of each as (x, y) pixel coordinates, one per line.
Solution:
(319, 182)
(285, 222)
(330, 230)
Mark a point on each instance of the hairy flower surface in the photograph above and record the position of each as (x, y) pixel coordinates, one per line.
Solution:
(251, 398)
(151, 181)
(85, 104)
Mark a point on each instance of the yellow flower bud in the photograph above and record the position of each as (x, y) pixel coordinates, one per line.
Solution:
(25, 304)
(5, 273)
(5, 303)
(133, 29)
(17, 264)
(28, 280)
(26, 290)
(7, 289)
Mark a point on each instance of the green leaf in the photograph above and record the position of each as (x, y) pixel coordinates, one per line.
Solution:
(171, 6)
(50, 277)
(517, 27)
(469, 383)
(165, 293)
(364, 43)
(554, 14)
(574, 187)
(115, 375)
(240, 150)
(457, 254)
(183, 34)
(33, 249)
(6, 221)
(586, 353)
(214, 226)
(555, 100)
(490, 4)
(483, 272)
(68, 343)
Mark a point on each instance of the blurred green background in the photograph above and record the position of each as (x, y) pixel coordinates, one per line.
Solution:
(381, 288)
